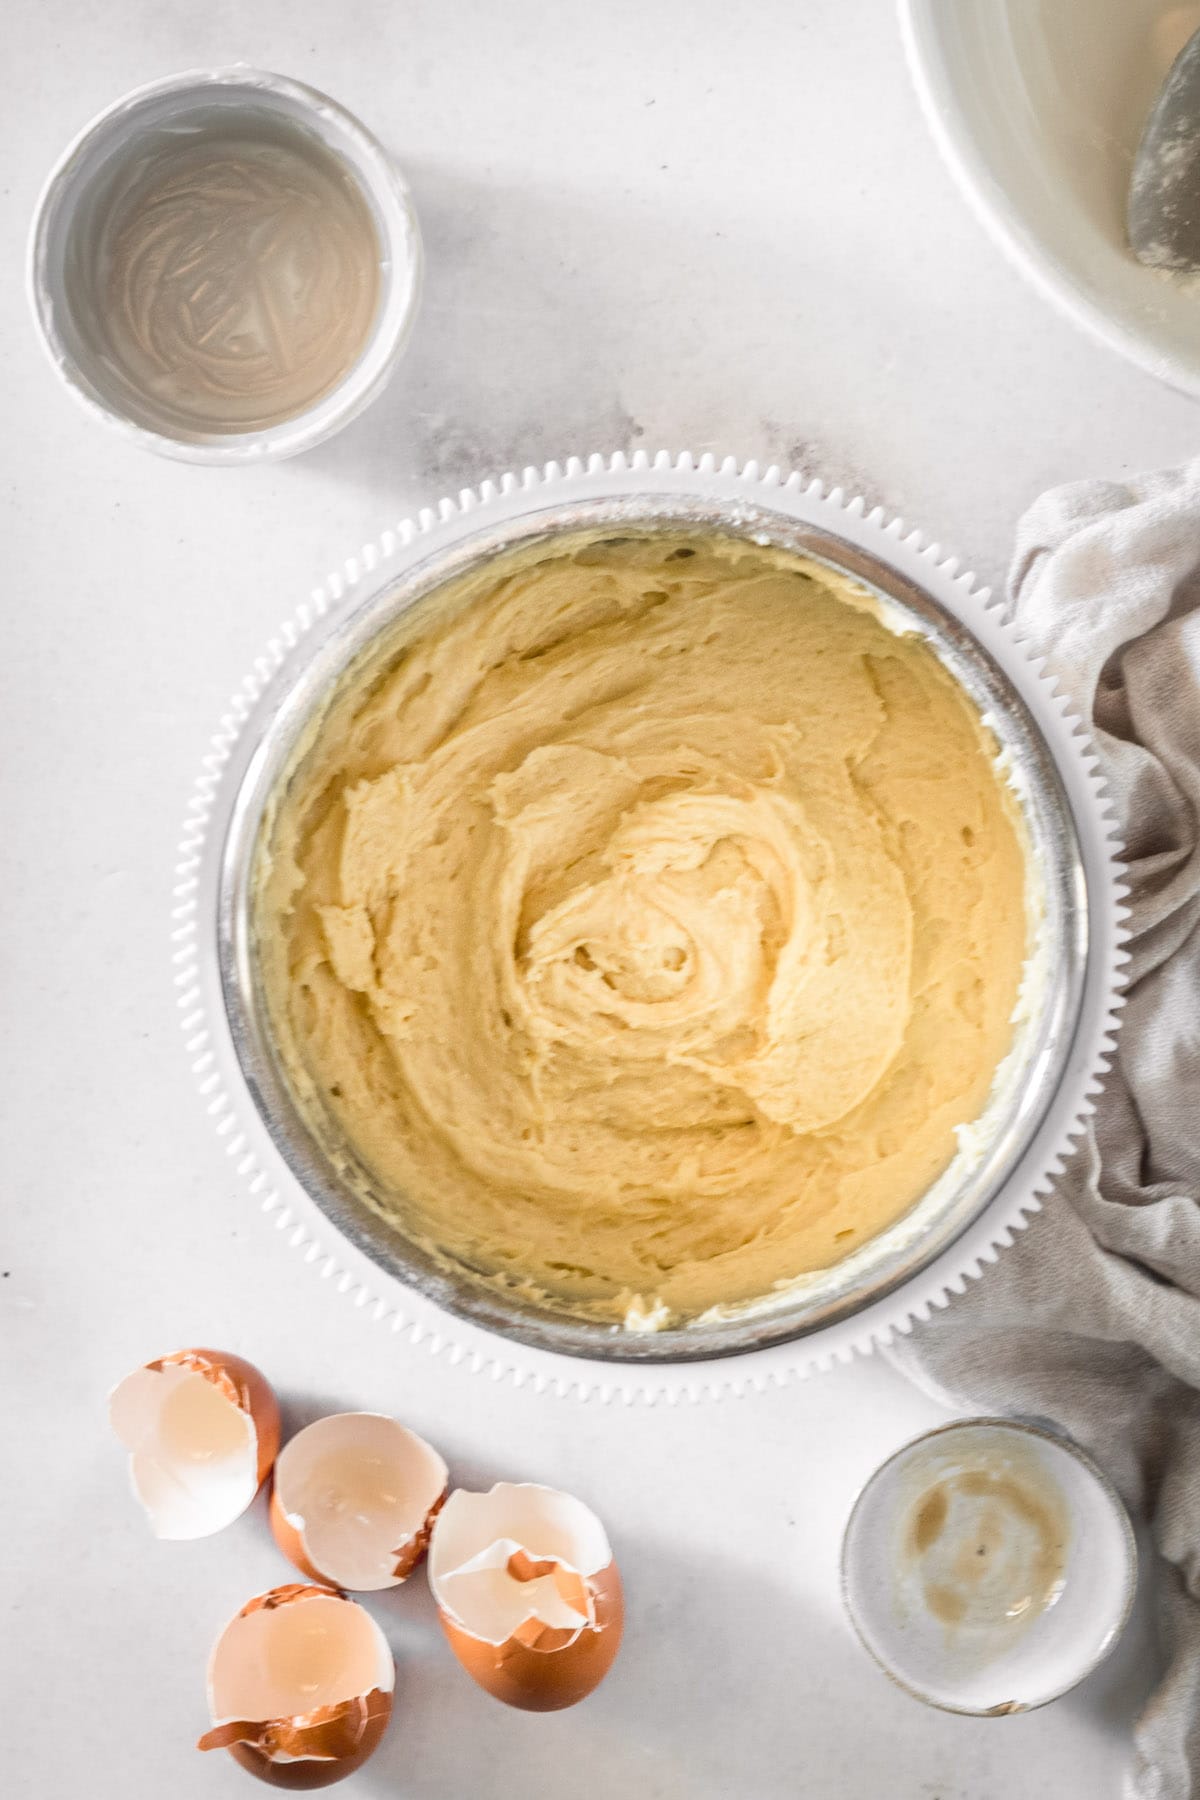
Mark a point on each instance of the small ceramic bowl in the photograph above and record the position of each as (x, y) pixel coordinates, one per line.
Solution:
(75, 194)
(988, 1567)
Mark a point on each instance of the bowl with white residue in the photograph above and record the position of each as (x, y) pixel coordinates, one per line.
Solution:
(988, 1567)
(224, 266)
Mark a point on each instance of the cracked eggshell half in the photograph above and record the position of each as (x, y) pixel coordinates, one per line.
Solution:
(300, 1687)
(354, 1499)
(202, 1431)
(527, 1592)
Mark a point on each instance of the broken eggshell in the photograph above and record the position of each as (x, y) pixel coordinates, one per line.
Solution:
(300, 1687)
(202, 1431)
(354, 1498)
(527, 1592)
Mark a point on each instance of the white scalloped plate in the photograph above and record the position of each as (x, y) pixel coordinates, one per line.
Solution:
(417, 1319)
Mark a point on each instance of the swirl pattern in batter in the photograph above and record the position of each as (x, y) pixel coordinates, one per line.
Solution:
(649, 917)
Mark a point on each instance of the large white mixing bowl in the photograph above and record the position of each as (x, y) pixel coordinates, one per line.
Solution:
(1037, 107)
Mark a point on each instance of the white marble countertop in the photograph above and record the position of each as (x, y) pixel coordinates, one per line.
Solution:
(679, 224)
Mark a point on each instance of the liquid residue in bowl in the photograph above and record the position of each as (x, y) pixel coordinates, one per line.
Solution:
(984, 1548)
(230, 275)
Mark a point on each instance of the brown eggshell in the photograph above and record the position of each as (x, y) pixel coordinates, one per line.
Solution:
(195, 1468)
(291, 1539)
(345, 1735)
(547, 1675)
(285, 1594)
(412, 1552)
(321, 1747)
(292, 1544)
(243, 1384)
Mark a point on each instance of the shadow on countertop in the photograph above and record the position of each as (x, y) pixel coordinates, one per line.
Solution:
(553, 325)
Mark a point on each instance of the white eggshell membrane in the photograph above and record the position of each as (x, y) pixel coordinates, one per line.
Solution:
(193, 1453)
(284, 1662)
(358, 1488)
(473, 1539)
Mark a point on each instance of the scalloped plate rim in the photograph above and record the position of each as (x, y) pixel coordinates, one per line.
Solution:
(280, 1197)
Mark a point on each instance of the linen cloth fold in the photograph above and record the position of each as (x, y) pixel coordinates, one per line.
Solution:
(1092, 1318)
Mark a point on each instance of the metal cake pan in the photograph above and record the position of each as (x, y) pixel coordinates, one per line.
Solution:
(325, 1166)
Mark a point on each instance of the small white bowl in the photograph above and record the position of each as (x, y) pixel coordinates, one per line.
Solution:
(987, 1662)
(1038, 110)
(77, 183)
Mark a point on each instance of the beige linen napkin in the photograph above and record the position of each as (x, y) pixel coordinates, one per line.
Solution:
(1092, 1319)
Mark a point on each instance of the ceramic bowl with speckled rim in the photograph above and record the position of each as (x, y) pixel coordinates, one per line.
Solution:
(989, 1566)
